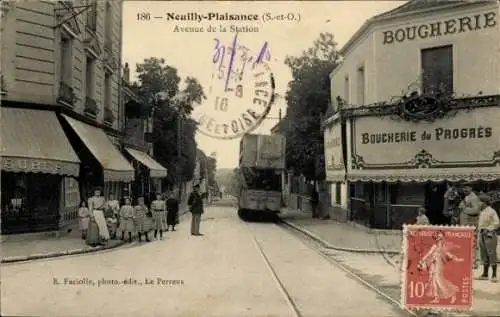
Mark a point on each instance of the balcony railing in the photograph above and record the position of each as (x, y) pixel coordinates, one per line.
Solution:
(66, 95)
(91, 108)
(109, 116)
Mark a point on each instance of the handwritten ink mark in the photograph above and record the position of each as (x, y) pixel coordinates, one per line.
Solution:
(231, 61)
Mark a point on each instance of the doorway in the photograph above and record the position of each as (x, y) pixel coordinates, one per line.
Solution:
(434, 202)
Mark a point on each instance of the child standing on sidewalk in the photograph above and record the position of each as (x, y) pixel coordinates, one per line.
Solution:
(84, 215)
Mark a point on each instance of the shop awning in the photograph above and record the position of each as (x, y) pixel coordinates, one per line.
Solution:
(115, 166)
(155, 169)
(426, 174)
(33, 141)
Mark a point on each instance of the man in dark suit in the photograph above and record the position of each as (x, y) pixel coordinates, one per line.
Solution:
(195, 203)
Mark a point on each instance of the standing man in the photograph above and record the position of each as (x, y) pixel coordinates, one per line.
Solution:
(195, 203)
(451, 201)
(314, 202)
(487, 227)
(470, 207)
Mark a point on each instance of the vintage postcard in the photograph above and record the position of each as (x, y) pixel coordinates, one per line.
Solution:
(249, 158)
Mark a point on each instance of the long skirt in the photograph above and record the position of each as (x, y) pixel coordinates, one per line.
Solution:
(127, 225)
(172, 217)
(159, 220)
(144, 224)
(93, 236)
(84, 223)
(101, 223)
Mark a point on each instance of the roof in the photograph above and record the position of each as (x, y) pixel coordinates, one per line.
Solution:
(411, 7)
(34, 141)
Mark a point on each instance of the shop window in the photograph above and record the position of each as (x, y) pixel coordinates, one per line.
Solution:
(71, 192)
(338, 193)
(437, 70)
(379, 192)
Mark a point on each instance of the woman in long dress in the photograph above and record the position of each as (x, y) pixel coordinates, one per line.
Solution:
(158, 209)
(84, 215)
(172, 211)
(435, 260)
(127, 216)
(143, 219)
(96, 207)
(93, 238)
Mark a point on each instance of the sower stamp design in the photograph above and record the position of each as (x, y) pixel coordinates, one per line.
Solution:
(241, 93)
(437, 267)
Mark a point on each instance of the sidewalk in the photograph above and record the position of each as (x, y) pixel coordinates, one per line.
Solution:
(25, 247)
(347, 236)
(375, 266)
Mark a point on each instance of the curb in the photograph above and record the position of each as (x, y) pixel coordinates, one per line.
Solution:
(57, 254)
(329, 246)
(14, 259)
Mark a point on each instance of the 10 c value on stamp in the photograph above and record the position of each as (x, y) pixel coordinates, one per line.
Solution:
(437, 267)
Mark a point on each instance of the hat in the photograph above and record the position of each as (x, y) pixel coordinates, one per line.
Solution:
(485, 198)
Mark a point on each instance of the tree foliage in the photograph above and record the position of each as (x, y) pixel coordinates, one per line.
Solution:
(308, 99)
(159, 85)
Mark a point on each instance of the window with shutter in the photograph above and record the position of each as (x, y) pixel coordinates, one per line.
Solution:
(437, 70)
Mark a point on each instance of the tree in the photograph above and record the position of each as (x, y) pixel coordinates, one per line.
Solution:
(308, 99)
(170, 106)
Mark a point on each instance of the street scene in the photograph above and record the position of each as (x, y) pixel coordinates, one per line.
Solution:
(169, 158)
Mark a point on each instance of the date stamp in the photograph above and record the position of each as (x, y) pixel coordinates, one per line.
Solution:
(241, 93)
(437, 267)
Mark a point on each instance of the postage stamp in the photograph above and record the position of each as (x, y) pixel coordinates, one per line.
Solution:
(241, 93)
(437, 267)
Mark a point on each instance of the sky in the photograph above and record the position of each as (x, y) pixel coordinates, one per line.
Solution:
(192, 53)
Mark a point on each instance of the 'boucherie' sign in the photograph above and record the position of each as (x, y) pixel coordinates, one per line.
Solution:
(440, 28)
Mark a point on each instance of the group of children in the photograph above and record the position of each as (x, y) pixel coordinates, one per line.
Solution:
(126, 220)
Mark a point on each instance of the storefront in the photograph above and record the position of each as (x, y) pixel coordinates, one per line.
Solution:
(148, 173)
(102, 163)
(36, 161)
(402, 155)
(334, 145)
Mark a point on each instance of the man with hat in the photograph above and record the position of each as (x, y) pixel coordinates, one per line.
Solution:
(470, 207)
(195, 202)
(487, 225)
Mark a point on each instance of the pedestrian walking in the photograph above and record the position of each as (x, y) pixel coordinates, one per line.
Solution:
(422, 218)
(84, 215)
(487, 226)
(143, 219)
(158, 209)
(470, 208)
(172, 211)
(97, 204)
(195, 203)
(314, 202)
(127, 215)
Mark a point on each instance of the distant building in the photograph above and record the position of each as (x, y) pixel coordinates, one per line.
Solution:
(62, 120)
(417, 103)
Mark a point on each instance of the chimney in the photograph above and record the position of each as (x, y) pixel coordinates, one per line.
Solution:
(126, 74)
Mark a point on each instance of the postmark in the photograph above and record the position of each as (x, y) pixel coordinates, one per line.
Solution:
(437, 267)
(241, 93)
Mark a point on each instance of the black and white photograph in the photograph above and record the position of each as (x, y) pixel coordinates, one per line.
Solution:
(249, 158)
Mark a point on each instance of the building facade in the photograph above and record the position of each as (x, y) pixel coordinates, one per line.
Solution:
(60, 92)
(137, 141)
(418, 92)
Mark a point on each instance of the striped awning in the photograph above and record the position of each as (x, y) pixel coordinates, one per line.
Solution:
(33, 141)
(115, 166)
(155, 168)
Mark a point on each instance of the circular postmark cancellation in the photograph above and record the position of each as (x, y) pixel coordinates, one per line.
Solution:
(239, 98)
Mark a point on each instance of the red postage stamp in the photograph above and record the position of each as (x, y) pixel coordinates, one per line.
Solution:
(437, 267)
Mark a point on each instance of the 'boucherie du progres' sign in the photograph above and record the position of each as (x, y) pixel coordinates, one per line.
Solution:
(440, 28)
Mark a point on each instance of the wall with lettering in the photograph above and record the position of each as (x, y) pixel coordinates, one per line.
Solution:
(473, 32)
(334, 159)
(466, 139)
